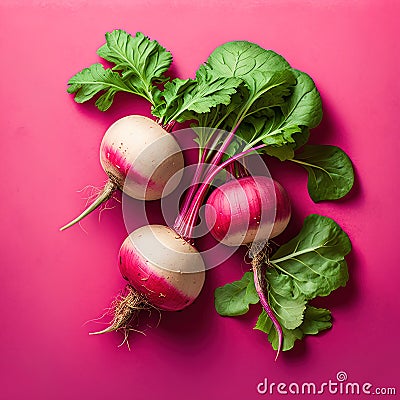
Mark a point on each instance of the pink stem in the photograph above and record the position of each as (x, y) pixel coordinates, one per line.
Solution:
(190, 220)
(259, 284)
(241, 170)
(169, 126)
(221, 151)
(192, 189)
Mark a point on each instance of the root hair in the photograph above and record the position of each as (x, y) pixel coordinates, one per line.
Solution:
(125, 310)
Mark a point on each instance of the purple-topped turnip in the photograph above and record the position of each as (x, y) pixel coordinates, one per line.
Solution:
(164, 271)
(139, 157)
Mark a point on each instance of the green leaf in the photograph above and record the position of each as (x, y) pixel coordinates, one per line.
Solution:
(266, 91)
(280, 108)
(315, 321)
(304, 107)
(279, 144)
(234, 298)
(173, 97)
(95, 79)
(289, 124)
(211, 91)
(209, 123)
(240, 59)
(287, 302)
(287, 98)
(265, 325)
(184, 99)
(286, 151)
(269, 89)
(139, 59)
(139, 64)
(314, 259)
(311, 264)
(330, 171)
(267, 75)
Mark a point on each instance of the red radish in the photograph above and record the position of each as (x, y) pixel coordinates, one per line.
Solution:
(163, 270)
(246, 210)
(140, 158)
(255, 215)
(250, 209)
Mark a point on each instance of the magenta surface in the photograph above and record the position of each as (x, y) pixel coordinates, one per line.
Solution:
(52, 282)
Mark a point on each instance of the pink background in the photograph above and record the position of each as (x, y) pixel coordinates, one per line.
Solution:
(52, 282)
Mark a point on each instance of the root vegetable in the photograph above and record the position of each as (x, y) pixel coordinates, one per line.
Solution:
(161, 265)
(246, 210)
(140, 158)
(164, 271)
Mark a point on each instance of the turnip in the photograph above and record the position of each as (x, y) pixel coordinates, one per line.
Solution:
(243, 100)
(163, 268)
(246, 210)
(250, 209)
(164, 271)
(139, 157)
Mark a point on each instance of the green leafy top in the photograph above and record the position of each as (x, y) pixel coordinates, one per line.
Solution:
(139, 64)
(312, 264)
(270, 103)
(276, 106)
(278, 101)
(185, 99)
(241, 88)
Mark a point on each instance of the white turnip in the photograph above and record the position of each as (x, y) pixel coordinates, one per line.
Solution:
(164, 271)
(139, 157)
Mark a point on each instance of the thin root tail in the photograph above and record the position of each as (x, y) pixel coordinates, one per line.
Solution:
(258, 263)
(104, 195)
